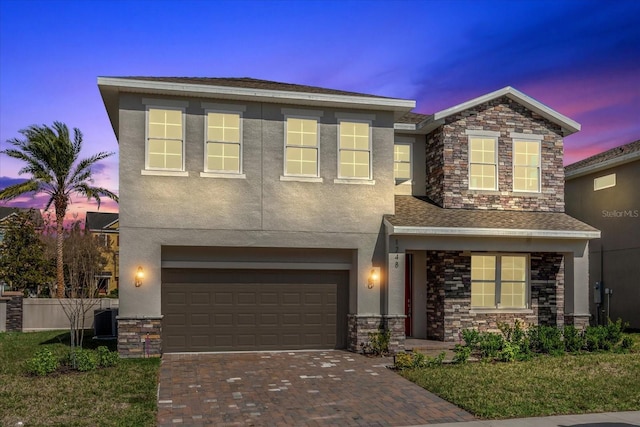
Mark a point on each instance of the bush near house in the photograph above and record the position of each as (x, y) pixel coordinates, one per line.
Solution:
(555, 372)
(118, 392)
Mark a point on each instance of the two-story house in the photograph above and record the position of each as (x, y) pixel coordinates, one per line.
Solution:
(104, 227)
(257, 215)
(602, 190)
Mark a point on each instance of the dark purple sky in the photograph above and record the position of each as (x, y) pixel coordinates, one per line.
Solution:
(579, 57)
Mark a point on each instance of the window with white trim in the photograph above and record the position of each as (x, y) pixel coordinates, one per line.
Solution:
(499, 281)
(301, 147)
(223, 145)
(165, 139)
(354, 150)
(483, 170)
(402, 161)
(526, 165)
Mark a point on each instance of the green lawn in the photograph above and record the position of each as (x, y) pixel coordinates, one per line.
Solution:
(124, 395)
(543, 386)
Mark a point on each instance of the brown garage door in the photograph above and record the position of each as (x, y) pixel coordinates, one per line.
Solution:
(233, 310)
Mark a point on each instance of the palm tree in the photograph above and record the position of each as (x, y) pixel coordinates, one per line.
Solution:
(52, 161)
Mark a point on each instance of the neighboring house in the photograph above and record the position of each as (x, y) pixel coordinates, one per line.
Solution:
(268, 216)
(104, 226)
(604, 191)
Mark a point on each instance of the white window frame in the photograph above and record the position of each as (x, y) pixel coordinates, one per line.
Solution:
(480, 134)
(403, 180)
(498, 281)
(344, 179)
(222, 173)
(163, 171)
(515, 137)
(286, 175)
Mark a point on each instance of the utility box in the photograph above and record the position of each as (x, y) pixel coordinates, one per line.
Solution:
(104, 322)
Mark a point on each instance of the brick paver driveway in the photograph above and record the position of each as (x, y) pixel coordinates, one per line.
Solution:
(323, 388)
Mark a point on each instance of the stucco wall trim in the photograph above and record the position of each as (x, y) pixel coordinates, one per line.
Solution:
(491, 232)
(257, 265)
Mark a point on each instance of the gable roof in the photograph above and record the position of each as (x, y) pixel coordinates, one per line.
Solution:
(437, 119)
(6, 212)
(244, 89)
(616, 156)
(95, 221)
(419, 216)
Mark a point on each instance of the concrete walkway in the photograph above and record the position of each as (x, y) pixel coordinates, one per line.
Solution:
(607, 419)
(322, 388)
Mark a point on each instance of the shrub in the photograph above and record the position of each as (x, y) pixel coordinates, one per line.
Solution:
(417, 360)
(626, 345)
(43, 363)
(378, 343)
(614, 332)
(595, 337)
(573, 339)
(546, 339)
(107, 358)
(470, 337)
(490, 344)
(462, 353)
(508, 352)
(82, 360)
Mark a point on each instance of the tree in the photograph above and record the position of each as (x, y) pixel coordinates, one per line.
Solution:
(83, 261)
(23, 262)
(52, 161)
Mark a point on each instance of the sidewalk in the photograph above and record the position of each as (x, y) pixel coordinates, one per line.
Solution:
(606, 419)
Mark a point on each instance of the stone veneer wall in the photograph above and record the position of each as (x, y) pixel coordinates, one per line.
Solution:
(447, 159)
(449, 296)
(139, 337)
(14, 311)
(361, 326)
(435, 166)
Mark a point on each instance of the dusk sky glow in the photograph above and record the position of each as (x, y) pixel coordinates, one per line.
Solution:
(581, 58)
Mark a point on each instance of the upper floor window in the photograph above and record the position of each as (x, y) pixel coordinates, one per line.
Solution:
(603, 182)
(499, 281)
(483, 169)
(165, 139)
(301, 147)
(354, 150)
(526, 165)
(223, 145)
(402, 161)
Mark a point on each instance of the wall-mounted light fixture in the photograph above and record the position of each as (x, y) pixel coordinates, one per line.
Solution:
(374, 278)
(138, 278)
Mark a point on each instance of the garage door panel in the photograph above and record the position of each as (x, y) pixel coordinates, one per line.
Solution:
(256, 315)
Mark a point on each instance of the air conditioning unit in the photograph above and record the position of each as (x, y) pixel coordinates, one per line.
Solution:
(104, 322)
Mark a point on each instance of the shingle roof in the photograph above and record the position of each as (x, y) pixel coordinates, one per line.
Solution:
(249, 83)
(99, 220)
(606, 156)
(413, 118)
(412, 211)
(6, 211)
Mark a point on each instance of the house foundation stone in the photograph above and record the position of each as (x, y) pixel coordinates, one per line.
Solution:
(139, 337)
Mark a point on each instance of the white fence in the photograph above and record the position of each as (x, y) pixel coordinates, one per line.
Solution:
(45, 314)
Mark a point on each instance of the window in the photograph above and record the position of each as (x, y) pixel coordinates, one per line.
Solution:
(499, 281)
(526, 166)
(301, 147)
(165, 139)
(482, 163)
(603, 182)
(402, 161)
(223, 145)
(354, 149)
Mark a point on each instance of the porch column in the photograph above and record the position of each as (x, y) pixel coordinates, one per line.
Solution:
(577, 288)
(395, 299)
